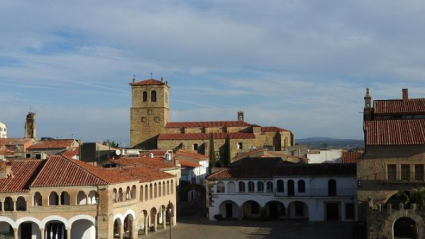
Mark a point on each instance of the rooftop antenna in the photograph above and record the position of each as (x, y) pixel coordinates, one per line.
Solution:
(151, 75)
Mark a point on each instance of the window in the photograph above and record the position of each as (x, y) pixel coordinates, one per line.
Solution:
(251, 186)
(260, 186)
(38, 156)
(153, 96)
(391, 172)
(405, 172)
(195, 147)
(419, 172)
(27, 156)
(301, 186)
(269, 187)
(331, 187)
(145, 96)
(349, 211)
(280, 187)
(240, 145)
(241, 187)
(156, 119)
(220, 187)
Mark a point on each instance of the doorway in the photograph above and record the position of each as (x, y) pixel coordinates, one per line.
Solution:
(291, 188)
(229, 210)
(332, 211)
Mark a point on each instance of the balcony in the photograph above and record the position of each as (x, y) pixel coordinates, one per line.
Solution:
(320, 192)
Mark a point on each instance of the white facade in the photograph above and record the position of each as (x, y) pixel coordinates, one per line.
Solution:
(320, 199)
(325, 155)
(3, 131)
(198, 175)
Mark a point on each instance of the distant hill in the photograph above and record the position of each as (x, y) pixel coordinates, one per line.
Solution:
(330, 143)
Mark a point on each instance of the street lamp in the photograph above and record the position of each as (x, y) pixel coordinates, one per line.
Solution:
(169, 209)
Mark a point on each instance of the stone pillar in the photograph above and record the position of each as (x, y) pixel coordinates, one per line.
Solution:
(87, 199)
(131, 226)
(155, 217)
(41, 233)
(146, 225)
(121, 230)
(14, 206)
(240, 213)
(68, 233)
(164, 219)
(59, 199)
(2, 206)
(15, 233)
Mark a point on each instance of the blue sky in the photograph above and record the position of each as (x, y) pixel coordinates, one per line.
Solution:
(300, 65)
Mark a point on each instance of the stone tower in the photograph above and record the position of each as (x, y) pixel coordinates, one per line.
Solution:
(30, 126)
(149, 112)
(367, 115)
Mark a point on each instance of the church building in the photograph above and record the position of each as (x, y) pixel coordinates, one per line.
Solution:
(150, 126)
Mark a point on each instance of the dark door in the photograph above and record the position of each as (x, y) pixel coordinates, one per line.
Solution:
(291, 188)
(274, 213)
(405, 228)
(26, 230)
(331, 187)
(332, 211)
(229, 210)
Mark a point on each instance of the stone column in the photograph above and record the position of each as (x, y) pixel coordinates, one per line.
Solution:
(164, 219)
(87, 199)
(2, 206)
(14, 206)
(240, 213)
(68, 233)
(146, 225)
(155, 217)
(131, 227)
(41, 233)
(121, 230)
(15, 233)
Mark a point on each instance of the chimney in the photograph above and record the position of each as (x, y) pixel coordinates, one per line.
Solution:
(134, 79)
(405, 95)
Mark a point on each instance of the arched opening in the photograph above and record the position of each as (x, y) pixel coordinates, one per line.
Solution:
(83, 229)
(260, 186)
(55, 229)
(251, 186)
(8, 204)
(120, 195)
(145, 96)
(251, 209)
(275, 210)
(414, 196)
(53, 199)
(298, 210)
(21, 204)
(172, 186)
(155, 190)
(220, 187)
(168, 188)
(269, 187)
(38, 199)
(65, 199)
(93, 197)
(153, 96)
(141, 194)
(29, 230)
(6, 230)
(153, 219)
(117, 228)
(231, 187)
(114, 195)
(163, 189)
(81, 198)
(128, 193)
(229, 209)
(150, 191)
(241, 186)
(146, 193)
(405, 227)
(331, 187)
(162, 216)
(145, 226)
(129, 225)
(159, 189)
(280, 186)
(291, 188)
(301, 186)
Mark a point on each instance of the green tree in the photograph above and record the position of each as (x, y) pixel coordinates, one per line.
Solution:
(212, 153)
(227, 158)
(415, 196)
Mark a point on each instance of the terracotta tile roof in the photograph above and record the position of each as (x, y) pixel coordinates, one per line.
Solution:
(263, 152)
(143, 174)
(323, 169)
(13, 141)
(182, 153)
(72, 153)
(188, 164)
(202, 136)
(157, 163)
(249, 168)
(207, 124)
(350, 157)
(395, 132)
(52, 144)
(149, 82)
(23, 172)
(411, 106)
(273, 129)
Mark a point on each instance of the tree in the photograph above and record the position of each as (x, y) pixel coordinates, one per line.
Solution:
(415, 196)
(227, 158)
(212, 153)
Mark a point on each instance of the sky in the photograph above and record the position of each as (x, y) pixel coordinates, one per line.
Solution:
(299, 65)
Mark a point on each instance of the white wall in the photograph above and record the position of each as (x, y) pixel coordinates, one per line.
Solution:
(328, 155)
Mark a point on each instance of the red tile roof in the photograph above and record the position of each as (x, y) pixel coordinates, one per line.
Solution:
(249, 168)
(52, 144)
(149, 82)
(207, 124)
(182, 153)
(202, 136)
(72, 153)
(13, 141)
(157, 163)
(23, 172)
(350, 157)
(395, 132)
(188, 164)
(411, 106)
(272, 129)
(324, 169)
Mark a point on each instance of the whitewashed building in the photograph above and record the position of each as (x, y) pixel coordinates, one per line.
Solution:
(325, 156)
(3, 131)
(271, 188)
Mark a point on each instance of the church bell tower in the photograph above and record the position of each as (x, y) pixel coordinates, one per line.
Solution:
(149, 112)
(30, 126)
